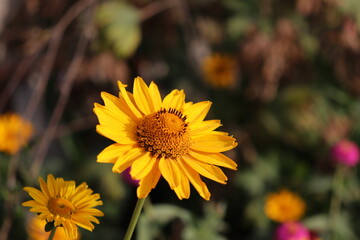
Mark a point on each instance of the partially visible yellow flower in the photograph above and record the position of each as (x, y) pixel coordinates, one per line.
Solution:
(163, 137)
(284, 206)
(15, 132)
(220, 70)
(65, 204)
(36, 231)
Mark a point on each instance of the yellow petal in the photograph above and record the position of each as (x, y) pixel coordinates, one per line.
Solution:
(203, 127)
(87, 217)
(218, 159)
(51, 185)
(39, 209)
(155, 96)
(198, 111)
(119, 106)
(111, 118)
(112, 153)
(142, 166)
(183, 189)
(170, 171)
(91, 211)
(213, 143)
(82, 222)
(207, 170)
(195, 180)
(44, 187)
(122, 137)
(70, 228)
(59, 182)
(142, 96)
(187, 105)
(92, 219)
(175, 99)
(31, 203)
(129, 100)
(89, 202)
(148, 182)
(127, 159)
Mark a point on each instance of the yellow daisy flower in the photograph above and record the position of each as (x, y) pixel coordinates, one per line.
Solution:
(65, 204)
(166, 138)
(284, 206)
(219, 70)
(36, 231)
(15, 132)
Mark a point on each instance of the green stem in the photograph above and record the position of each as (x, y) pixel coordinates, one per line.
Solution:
(52, 233)
(335, 204)
(134, 218)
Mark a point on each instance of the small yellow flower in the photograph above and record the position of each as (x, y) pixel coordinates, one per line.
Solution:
(36, 231)
(219, 70)
(65, 204)
(284, 206)
(166, 138)
(15, 132)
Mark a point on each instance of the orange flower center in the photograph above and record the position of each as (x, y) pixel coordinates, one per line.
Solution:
(164, 133)
(61, 207)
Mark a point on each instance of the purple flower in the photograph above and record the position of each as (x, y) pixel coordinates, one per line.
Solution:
(292, 231)
(345, 152)
(128, 179)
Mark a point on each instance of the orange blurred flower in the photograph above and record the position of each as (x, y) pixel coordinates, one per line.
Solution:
(15, 132)
(220, 70)
(284, 206)
(36, 231)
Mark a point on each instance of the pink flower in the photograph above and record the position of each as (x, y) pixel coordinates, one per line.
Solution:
(345, 152)
(292, 231)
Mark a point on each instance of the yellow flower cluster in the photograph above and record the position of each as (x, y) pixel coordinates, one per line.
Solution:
(155, 137)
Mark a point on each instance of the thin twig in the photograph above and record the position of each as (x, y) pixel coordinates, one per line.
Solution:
(50, 131)
(49, 59)
(155, 8)
(55, 41)
(75, 126)
(15, 79)
(10, 202)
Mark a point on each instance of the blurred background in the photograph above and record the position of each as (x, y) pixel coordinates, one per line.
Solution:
(283, 76)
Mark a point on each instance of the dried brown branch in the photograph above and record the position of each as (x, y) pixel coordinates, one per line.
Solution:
(65, 90)
(76, 126)
(55, 41)
(49, 59)
(22, 68)
(155, 8)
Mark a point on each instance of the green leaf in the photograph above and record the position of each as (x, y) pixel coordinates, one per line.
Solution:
(319, 184)
(343, 227)
(120, 24)
(156, 218)
(237, 26)
(319, 222)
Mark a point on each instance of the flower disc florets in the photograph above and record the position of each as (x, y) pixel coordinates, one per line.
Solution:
(164, 133)
(61, 207)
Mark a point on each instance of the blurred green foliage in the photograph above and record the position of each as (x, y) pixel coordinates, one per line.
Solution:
(120, 24)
